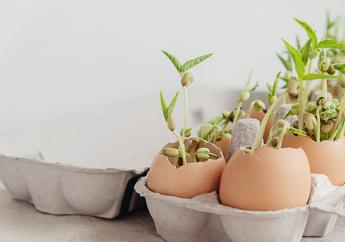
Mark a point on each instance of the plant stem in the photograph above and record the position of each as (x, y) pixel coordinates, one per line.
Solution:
(186, 112)
(301, 105)
(303, 92)
(318, 124)
(238, 109)
(307, 85)
(182, 147)
(340, 132)
(339, 118)
(324, 88)
(281, 137)
(260, 133)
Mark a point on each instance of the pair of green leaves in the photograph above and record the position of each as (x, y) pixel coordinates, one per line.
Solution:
(167, 109)
(182, 68)
(300, 58)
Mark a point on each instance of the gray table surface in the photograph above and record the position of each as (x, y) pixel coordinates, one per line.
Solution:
(19, 221)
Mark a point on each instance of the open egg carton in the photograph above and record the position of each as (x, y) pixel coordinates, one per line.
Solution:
(203, 218)
(88, 163)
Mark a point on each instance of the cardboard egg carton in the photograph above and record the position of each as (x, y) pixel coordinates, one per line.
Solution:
(320, 223)
(57, 188)
(203, 218)
(87, 163)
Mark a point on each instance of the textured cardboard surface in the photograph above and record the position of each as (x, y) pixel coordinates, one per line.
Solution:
(62, 189)
(178, 219)
(243, 134)
(320, 223)
(21, 222)
(197, 219)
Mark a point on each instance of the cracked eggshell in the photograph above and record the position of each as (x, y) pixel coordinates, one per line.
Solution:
(188, 180)
(326, 157)
(259, 115)
(270, 179)
(224, 145)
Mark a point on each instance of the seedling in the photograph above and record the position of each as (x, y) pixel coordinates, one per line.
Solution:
(333, 31)
(281, 127)
(290, 80)
(273, 101)
(187, 151)
(217, 128)
(320, 120)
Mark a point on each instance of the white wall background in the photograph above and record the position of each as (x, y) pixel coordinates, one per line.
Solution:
(57, 57)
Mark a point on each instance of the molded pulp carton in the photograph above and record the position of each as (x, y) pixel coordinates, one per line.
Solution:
(203, 218)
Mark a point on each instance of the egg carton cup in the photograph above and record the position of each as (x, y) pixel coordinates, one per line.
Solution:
(203, 218)
(334, 203)
(320, 222)
(56, 188)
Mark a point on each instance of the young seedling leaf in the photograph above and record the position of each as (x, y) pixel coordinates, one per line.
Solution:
(298, 43)
(173, 60)
(286, 63)
(297, 58)
(317, 76)
(297, 132)
(340, 130)
(275, 84)
(329, 22)
(164, 106)
(311, 33)
(193, 62)
(339, 67)
(330, 43)
(285, 80)
(269, 88)
(305, 51)
(172, 105)
(328, 114)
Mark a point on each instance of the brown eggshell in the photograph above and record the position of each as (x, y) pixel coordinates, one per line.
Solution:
(259, 115)
(188, 180)
(269, 179)
(224, 145)
(326, 157)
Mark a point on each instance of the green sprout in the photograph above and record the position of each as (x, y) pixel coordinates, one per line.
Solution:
(290, 81)
(274, 101)
(244, 96)
(218, 128)
(323, 119)
(186, 80)
(335, 55)
(167, 113)
(303, 60)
